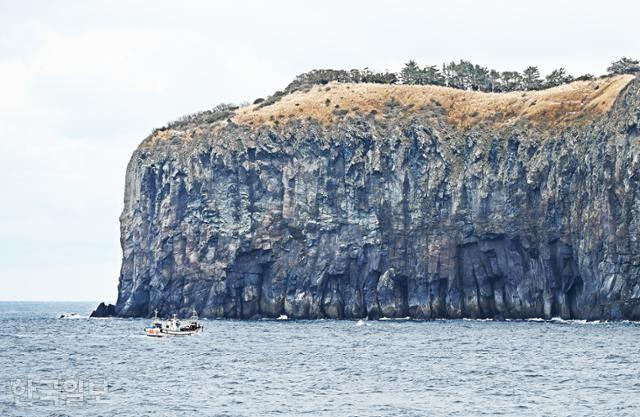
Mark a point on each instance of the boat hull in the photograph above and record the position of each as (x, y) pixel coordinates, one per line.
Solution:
(174, 326)
(155, 332)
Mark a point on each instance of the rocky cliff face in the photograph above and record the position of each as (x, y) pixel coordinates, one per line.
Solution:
(416, 201)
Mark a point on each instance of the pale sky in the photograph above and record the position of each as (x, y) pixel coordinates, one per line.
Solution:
(82, 83)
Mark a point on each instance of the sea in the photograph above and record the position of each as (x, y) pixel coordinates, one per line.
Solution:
(77, 366)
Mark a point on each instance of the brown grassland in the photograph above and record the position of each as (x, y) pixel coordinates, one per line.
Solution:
(565, 104)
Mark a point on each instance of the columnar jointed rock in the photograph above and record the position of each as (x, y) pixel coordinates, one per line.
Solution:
(396, 213)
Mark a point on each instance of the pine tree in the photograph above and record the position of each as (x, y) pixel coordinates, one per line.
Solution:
(455, 75)
(447, 74)
(480, 79)
(624, 66)
(511, 80)
(410, 74)
(557, 77)
(531, 78)
(433, 76)
(421, 77)
(466, 71)
(494, 81)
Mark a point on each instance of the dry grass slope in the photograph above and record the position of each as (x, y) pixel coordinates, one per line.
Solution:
(577, 102)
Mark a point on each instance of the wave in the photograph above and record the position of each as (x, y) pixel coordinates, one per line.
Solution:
(394, 318)
(71, 316)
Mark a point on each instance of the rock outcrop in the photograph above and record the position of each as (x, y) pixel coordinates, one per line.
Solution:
(104, 310)
(350, 200)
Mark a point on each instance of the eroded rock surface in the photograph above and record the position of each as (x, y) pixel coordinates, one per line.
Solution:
(104, 310)
(390, 213)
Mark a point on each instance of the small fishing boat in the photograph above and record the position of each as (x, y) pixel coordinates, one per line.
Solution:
(174, 326)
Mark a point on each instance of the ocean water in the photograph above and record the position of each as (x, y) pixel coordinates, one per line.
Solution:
(107, 367)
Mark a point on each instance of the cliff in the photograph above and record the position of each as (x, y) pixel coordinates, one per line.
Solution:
(364, 200)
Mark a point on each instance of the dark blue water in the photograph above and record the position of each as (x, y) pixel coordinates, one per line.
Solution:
(313, 367)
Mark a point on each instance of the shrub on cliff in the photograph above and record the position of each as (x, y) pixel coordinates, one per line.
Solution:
(307, 80)
(585, 77)
(219, 112)
(557, 77)
(624, 66)
(275, 97)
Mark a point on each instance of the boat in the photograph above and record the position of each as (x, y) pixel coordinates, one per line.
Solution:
(174, 326)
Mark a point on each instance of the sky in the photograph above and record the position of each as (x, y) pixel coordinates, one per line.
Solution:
(82, 83)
